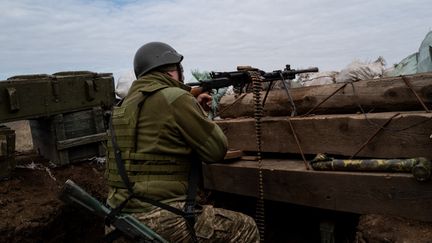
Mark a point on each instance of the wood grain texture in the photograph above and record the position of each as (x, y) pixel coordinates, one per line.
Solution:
(385, 94)
(407, 135)
(394, 194)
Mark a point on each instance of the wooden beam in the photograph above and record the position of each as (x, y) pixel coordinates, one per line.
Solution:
(407, 135)
(394, 194)
(73, 142)
(385, 94)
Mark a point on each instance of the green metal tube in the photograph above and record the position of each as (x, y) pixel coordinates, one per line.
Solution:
(127, 224)
(72, 193)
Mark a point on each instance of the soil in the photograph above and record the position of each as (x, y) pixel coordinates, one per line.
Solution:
(31, 212)
(379, 228)
(30, 208)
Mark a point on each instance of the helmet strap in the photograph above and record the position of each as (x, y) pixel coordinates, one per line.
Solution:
(180, 72)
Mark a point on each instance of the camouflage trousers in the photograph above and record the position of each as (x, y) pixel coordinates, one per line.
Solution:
(211, 225)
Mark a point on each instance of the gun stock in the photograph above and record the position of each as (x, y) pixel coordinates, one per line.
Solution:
(127, 224)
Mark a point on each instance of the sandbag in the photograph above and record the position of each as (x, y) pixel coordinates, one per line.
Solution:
(124, 82)
(358, 70)
(321, 78)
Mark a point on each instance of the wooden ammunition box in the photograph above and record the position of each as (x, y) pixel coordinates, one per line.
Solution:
(70, 137)
(7, 151)
(35, 96)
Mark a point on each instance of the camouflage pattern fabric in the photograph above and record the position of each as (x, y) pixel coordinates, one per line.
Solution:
(395, 165)
(212, 225)
(324, 162)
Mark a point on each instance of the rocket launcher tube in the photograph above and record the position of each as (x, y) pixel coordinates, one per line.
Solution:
(125, 223)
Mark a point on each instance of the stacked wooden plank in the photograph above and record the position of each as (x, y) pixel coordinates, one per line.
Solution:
(384, 118)
(285, 180)
(380, 118)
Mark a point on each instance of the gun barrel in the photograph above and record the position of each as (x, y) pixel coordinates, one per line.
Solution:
(195, 83)
(308, 70)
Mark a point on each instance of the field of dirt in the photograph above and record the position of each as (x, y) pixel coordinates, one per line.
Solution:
(378, 228)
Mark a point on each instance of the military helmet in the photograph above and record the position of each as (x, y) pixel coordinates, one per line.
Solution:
(153, 55)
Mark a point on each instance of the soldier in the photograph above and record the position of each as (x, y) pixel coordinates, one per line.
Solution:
(163, 135)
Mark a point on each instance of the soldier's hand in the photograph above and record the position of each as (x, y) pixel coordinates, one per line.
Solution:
(196, 91)
(205, 100)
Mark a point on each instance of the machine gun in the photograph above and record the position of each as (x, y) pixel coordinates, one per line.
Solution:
(124, 223)
(240, 78)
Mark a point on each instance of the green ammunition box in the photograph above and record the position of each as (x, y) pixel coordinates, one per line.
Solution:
(35, 96)
(7, 151)
(70, 137)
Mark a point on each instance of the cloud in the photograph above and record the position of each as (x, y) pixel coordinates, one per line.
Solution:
(102, 36)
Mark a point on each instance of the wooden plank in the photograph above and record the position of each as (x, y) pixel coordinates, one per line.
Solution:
(406, 136)
(59, 135)
(69, 137)
(385, 94)
(7, 151)
(233, 154)
(73, 142)
(394, 194)
(100, 127)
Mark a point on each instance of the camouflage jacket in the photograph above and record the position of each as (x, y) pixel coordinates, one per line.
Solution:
(170, 127)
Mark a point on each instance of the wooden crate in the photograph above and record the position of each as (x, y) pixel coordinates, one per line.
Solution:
(70, 137)
(7, 151)
(36, 96)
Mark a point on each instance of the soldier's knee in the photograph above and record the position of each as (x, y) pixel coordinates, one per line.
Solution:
(250, 230)
(250, 222)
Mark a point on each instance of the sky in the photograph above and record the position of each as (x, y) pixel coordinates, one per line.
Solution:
(48, 36)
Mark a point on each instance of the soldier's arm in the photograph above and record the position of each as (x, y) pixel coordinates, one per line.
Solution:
(203, 135)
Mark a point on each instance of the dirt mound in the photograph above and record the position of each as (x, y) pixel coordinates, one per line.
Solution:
(32, 212)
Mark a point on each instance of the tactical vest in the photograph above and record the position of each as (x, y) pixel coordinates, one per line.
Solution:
(141, 167)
